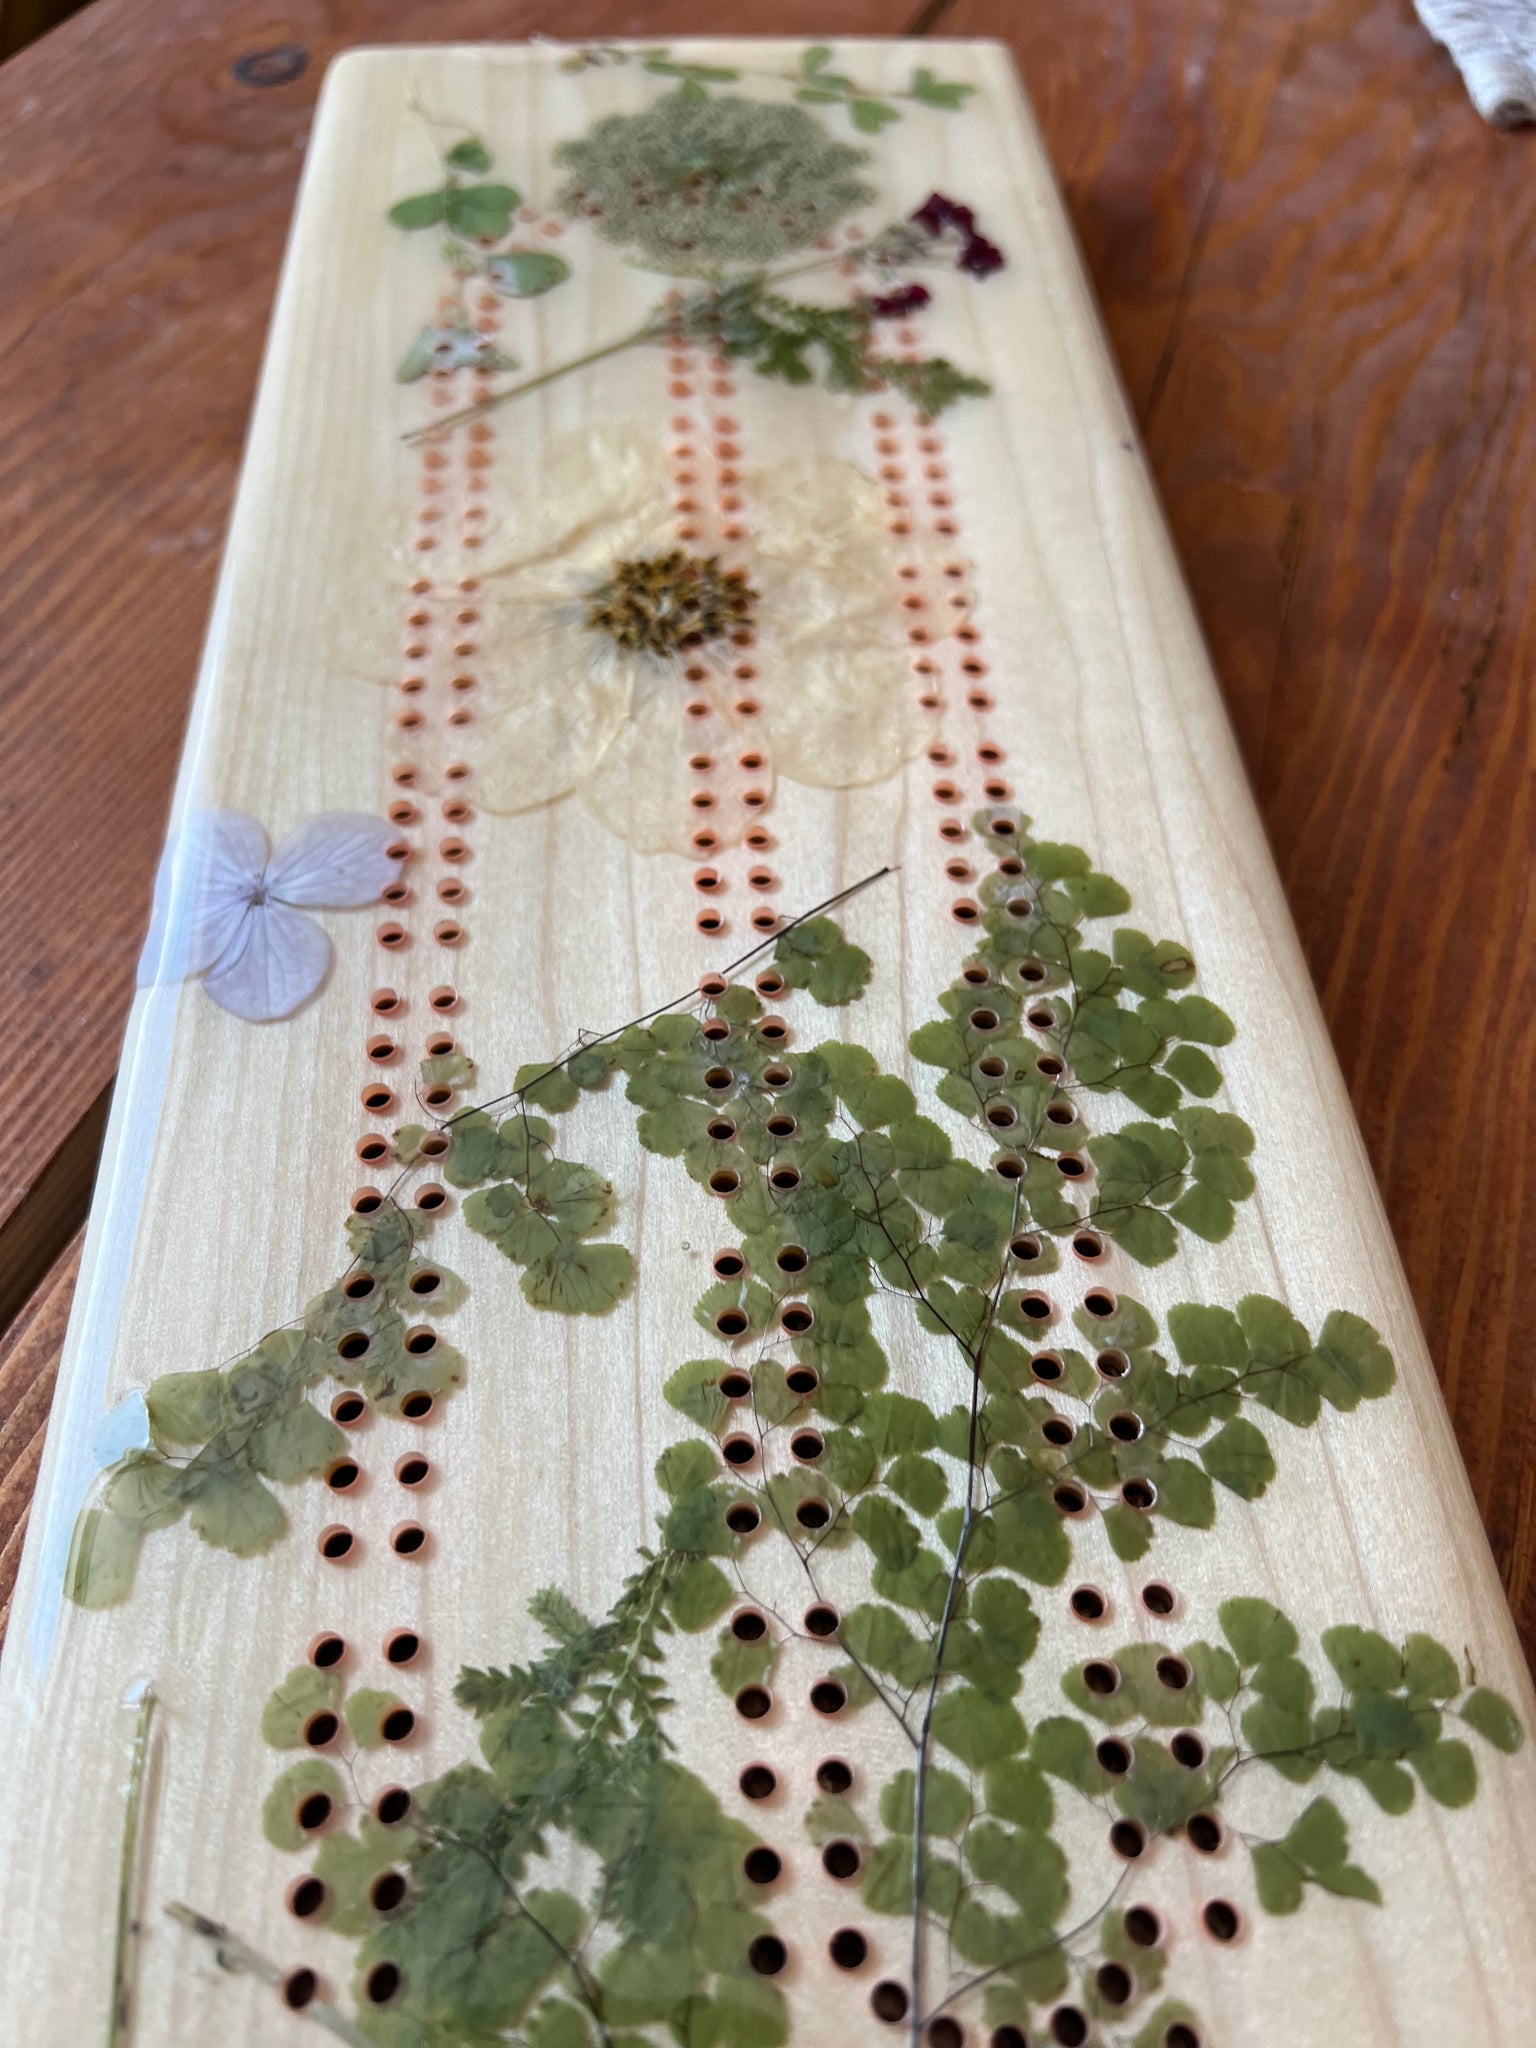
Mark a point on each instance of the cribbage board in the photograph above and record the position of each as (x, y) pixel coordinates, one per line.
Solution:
(737, 1379)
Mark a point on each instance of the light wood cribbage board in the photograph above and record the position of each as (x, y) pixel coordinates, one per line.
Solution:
(933, 654)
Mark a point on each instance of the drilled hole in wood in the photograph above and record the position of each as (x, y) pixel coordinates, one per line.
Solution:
(1143, 1926)
(1187, 1750)
(335, 1543)
(1140, 1494)
(382, 1984)
(1125, 1427)
(307, 1896)
(392, 1805)
(806, 1444)
(321, 1728)
(408, 1539)
(742, 1518)
(1088, 1603)
(1058, 1430)
(348, 1410)
(327, 1651)
(762, 1865)
(1205, 1833)
(738, 1450)
(1112, 1365)
(829, 1696)
(841, 1860)
(298, 1988)
(1114, 1756)
(888, 2002)
(757, 1781)
(767, 1955)
(1128, 1838)
(344, 1474)
(1069, 2026)
(1158, 1598)
(413, 1469)
(813, 1514)
(753, 1702)
(1046, 1366)
(848, 1949)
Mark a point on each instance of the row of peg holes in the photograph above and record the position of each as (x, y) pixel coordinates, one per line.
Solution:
(309, 1895)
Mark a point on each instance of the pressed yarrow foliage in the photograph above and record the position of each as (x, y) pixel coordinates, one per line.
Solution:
(960, 1502)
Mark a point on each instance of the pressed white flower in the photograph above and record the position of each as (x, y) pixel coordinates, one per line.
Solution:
(577, 703)
(245, 928)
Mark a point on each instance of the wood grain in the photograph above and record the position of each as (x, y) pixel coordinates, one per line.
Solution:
(1107, 711)
(29, 1362)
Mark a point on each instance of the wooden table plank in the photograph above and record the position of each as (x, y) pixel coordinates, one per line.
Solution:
(1308, 251)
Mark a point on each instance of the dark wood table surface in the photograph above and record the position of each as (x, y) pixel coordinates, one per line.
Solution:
(1314, 264)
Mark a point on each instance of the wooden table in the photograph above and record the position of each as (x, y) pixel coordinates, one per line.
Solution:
(1313, 261)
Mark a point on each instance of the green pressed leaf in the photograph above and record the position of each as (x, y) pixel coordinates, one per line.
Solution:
(305, 1692)
(1193, 1069)
(1208, 1214)
(1277, 1880)
(1238, 1458)
(1207, 1336)
(946, 1802)
(1429, 1668)
(736, 1663)
(700, 1592)
(185, 1407)
(1388, 1727)
(1447, 1771)
(933, 92)
(1494, 1719)
(230, 1508)
(978, 1730)
(682, 1467)
(694, 1390)
(1256, 1630)
(479, 212)
(526, 273)
(1365, 1661)
(297, 1445)
(366, 1710)
(1016, 1790)
(470, 154)
(280, 1813)
(423, 210)
(579, 1279)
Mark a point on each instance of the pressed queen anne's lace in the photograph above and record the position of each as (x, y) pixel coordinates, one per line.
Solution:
(689, 185)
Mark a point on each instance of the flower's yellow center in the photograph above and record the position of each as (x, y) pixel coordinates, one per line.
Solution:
(665, 604)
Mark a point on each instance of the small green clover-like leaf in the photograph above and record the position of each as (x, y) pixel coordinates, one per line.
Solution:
(297, 1445)
(870, 116)
(479, 212)
(935, 92)
(1429, 1669)
(305, 1692)
(470, 154)
(526, 273)
(422, 210)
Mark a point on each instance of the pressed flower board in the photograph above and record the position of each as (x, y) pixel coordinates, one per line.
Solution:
(738, 1378)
